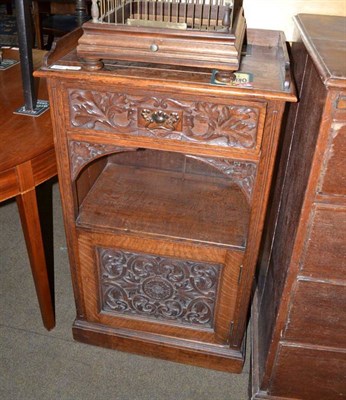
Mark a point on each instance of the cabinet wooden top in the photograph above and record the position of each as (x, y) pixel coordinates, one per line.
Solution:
(325, 40)
(266, 60)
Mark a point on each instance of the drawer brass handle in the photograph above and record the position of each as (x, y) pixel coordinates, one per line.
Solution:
(160, 119)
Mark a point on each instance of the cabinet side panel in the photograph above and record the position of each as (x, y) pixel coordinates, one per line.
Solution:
(283, 154)
(303, 121)
(87, 178)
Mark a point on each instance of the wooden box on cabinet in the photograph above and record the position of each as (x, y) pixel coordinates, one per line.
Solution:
(299, 314)
(164, 180)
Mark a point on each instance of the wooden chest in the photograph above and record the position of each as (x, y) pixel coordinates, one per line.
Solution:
(300, 314)
(164, 180)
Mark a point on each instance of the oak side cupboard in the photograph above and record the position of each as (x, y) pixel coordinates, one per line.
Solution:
(164, 178)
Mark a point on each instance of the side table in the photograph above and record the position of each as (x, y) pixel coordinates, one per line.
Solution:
(27, 159)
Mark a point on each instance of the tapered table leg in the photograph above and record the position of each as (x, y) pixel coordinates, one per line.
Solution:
(29, 215)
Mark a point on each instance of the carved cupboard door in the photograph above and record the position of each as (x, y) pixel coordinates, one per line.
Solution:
(155, 287)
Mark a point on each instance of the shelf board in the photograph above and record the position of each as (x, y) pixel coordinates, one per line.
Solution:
(167, 204)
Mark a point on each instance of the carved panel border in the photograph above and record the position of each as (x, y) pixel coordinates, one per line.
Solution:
(160, 288)
(226, 125)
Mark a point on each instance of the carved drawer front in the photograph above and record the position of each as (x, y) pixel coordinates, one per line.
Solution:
(156, 293)
(333, 174)
(232, 124)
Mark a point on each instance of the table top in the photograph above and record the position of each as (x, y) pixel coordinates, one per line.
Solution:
(325, 39)
(21, 137)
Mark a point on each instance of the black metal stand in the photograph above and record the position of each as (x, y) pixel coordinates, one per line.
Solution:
(32, 106)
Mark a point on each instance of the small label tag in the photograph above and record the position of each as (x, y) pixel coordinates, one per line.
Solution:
(66, 67)
(242, 79)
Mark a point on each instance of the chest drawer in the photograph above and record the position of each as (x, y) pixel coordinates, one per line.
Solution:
(324, 255)
(317, 308)
(297, 366)
(166, 118)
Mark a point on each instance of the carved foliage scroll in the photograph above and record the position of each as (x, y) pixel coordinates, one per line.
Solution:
(223, 125)
(160, 288)
(202, 122)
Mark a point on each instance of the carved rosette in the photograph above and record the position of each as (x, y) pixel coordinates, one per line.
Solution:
(202, 122)
(242, 173)
(160, 288)
(81, 153)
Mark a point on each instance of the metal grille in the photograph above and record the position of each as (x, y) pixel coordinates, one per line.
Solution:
(212, 15)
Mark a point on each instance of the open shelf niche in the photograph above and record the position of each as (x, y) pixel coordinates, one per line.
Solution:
(166, 194)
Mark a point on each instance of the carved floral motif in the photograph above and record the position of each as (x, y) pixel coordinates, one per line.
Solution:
(202, 122)
(157, 287)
